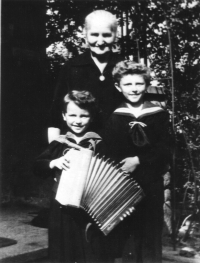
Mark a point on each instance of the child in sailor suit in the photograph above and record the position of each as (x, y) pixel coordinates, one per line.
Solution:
(67, 225)
(136, 135)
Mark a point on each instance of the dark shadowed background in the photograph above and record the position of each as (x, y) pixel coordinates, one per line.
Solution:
(28, 78)
(26, 96)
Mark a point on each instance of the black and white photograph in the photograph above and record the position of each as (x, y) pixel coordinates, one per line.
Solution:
(100, 131)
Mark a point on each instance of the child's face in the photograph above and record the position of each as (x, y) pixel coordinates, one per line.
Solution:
(100, 36)
(77, 119)
(133, 88)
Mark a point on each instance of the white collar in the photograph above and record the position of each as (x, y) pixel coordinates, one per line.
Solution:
(148, 109)
(70, 135)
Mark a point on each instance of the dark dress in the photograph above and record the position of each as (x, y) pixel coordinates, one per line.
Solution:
(146, 137)
(81, 73)
(67, 242)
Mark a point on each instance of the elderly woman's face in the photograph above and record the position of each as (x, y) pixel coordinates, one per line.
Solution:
(100, 37)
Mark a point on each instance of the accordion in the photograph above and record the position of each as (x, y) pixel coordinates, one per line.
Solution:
(98, 186)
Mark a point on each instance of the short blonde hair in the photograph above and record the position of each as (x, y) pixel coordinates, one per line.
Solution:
(128, 67)
(102, 15)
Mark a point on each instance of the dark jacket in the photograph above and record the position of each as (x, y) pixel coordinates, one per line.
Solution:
(81, 73)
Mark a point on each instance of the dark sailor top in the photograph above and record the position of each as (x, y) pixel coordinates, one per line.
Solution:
(145, 135)
(58, 148)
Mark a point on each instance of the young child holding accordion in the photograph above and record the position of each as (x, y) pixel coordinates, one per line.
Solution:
(136, 135)
(67, 225)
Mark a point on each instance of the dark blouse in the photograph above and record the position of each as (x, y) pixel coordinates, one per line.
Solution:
(81, 73)
(148, 140)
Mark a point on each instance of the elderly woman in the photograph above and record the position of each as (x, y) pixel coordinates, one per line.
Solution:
(90, 71)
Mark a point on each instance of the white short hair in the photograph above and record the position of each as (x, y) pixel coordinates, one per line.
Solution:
(102, 15)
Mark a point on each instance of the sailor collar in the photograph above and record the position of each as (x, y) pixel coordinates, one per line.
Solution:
(70, 135)
(148, 109)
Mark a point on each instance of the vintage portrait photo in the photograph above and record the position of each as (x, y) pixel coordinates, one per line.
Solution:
(100, 121)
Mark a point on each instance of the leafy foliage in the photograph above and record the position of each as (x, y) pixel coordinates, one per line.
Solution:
(144, 29)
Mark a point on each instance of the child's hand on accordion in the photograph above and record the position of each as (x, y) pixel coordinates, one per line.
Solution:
(130, 164)
(61, 163)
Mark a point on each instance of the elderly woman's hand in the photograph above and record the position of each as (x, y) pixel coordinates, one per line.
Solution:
(130, 164)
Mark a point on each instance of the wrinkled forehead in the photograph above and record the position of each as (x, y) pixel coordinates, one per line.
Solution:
(99, 25)
(100, 21)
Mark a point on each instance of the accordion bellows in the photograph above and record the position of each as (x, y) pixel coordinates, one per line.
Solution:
(99, 187)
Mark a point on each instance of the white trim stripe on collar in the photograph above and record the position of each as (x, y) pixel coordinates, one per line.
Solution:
(142, 112)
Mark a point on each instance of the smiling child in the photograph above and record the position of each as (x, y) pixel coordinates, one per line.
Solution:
(136, 135)
(67, 242)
